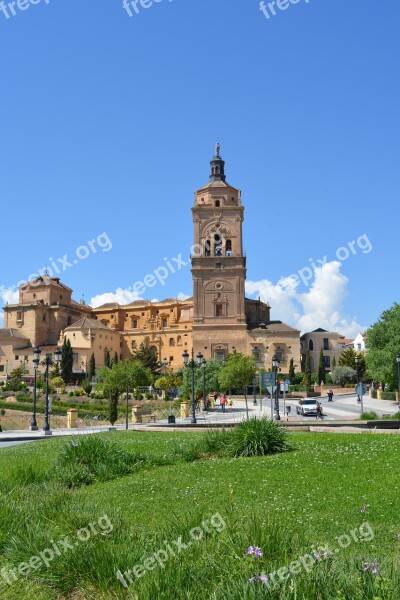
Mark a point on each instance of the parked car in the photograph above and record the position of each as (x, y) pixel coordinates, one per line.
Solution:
(306, 406)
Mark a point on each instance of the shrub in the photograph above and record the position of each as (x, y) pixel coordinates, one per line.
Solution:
(23, 397)
(93, 458)
(369, 416)
(258, 437)
(389, 396)
(212, 442)
(343, 375)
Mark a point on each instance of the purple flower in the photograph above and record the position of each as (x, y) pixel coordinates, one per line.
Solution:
(95, 418)
(254, 551)
(74, 445)
(364, 507)
(372, 567)
(262, 578)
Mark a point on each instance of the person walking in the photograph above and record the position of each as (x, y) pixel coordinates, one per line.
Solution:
(330, 396)
(222, 402)
(230, 404)
(319, 411)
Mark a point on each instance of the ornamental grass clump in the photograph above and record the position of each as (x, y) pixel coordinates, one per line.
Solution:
(91, 458)
(258, 437)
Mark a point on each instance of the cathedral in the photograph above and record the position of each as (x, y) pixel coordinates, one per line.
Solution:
(216, 320)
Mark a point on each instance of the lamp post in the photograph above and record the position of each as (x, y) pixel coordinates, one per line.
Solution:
(192, 365)
(398, 372)
(359, 396)
(275, 363)
(255, 354)
(48, 362)
(203, 367)
(356, 360)
(36, 359)
(164, 365)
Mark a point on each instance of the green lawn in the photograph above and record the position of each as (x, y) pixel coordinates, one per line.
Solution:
(288, 504)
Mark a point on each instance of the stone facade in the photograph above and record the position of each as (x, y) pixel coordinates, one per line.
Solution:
(329, 341)
(87, 337)
(44, 309)
(218, 319)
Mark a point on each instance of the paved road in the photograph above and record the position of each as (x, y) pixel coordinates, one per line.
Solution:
(8, 444)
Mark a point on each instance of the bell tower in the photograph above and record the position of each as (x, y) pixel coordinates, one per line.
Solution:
(218, 266)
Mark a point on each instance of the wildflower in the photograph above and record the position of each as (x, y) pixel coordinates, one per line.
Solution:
(372, 567)
(254, 551)
(74, 445)
(95, 418)
(364, 507)
(262, 578)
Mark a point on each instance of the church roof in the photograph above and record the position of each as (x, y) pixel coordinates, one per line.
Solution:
(86, 323)
(45, 280)
(7, 333)
(274, 326)
(108, 305)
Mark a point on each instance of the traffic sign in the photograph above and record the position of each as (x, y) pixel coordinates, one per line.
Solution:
(287, 381)
(360, 389)
(267, 379)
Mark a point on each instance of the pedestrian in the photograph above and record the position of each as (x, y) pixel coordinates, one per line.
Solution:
(222, 402)
(330, 396)
(230, 404)
(319, 411)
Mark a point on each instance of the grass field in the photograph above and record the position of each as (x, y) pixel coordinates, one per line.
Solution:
(321, 513)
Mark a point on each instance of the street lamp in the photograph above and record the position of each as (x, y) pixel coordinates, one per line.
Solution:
(356, 360)
(48, 362)
(359, 396)
(36, 360)
(192, 365)
(255, 354)
(255, 389)
(275, 363)
(398, 371)
(164, 365)
(203, 367)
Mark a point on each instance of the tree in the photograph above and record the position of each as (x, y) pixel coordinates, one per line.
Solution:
(211, 375)
(147, 357)
(15, 383)
(107, 358)
(321, 368)
(238, 372)
(307, 372)
(348, 359)
(92, 367)
(292, 373)
(114, 360)
(343, 375)
(67, 361)
(125, 376)
(383, 346)
(87, 385)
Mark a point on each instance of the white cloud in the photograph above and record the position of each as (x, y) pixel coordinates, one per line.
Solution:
(320, 306)
(120, 296)
(182, 296)
(8, 296)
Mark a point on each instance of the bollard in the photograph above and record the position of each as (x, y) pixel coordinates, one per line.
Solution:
(184, 409)
(136, 414)
(72, 418)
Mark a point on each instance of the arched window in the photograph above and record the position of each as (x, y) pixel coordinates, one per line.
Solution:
(207, 248)
(311, 345)
(217, 203)
(228, 248)
(217, 245)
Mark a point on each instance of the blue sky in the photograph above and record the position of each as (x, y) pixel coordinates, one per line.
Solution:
(109, 123)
